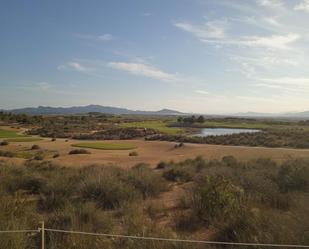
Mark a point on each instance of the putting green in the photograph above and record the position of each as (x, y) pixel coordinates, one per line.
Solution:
(8, 134)
(23, 139)
(105, 146)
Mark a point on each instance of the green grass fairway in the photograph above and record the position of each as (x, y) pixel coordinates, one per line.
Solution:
(24, 139)
(13, 136)
(8, 134)
(105, 146)
(156, 125)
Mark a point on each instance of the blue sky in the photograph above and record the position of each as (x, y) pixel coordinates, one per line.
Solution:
(206, 56)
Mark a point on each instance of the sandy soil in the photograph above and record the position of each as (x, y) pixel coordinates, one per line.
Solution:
(152, 152)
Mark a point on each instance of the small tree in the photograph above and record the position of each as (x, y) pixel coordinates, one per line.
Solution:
(201, 119)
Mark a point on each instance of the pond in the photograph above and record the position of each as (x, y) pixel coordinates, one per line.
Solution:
(223, 131)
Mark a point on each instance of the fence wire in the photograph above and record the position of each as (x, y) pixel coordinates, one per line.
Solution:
(176, 240)
(39, 230)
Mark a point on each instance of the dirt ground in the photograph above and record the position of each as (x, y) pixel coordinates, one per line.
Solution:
(152, 152)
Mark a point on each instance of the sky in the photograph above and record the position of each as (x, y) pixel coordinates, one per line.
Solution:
(204, 56)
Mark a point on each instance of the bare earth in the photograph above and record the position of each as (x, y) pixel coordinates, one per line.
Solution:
(152, 152)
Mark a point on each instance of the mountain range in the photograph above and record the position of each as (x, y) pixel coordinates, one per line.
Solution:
(47, 110)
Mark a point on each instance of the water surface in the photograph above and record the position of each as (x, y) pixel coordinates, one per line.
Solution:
(223, 131)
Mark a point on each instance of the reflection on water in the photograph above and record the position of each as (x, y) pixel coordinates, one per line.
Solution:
(223, 131)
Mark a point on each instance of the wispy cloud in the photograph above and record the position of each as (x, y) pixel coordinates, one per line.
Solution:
(272, 21)
(304, 5)
(143, 70)
(202, 92)
(270, 3)
(209, 30)
(273, 42)
(75, 66)
(215, 32)
(36, 86)
(98, 38)
(288, 84)
(105, 37)
(45, 86)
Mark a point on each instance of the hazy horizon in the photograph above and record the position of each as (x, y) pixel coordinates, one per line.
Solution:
(198, 56)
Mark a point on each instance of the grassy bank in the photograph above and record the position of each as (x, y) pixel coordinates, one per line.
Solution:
(156, 125)
(105, 146)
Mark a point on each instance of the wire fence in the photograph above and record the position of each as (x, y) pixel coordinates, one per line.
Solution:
(42, 230)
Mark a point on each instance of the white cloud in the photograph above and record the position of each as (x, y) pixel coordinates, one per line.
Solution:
(75, 66)
(98, 38)
(294, 81)
(273, 42)
(105, 37)
(201, 92)
(215, 32)
(143, 70)
(287, 84)
(270, 3)
(273, 21)
(304, 5)
(210, 30)
(43, 86)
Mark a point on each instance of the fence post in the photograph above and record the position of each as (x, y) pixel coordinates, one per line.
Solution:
(42, 235)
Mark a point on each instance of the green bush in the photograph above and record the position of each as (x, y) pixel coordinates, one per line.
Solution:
(145, 181)
(107, 189)
(229, 161)
(38, 157)
(133, 153)
(56, 155)
(178, 174)
(294, 176)
(35, 147)
(4, 143)
(162, 165)
(215, 198)
(7, 153)
(79, 151)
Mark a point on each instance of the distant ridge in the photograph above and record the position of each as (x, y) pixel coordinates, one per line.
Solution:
(47, 110)
(296, 115)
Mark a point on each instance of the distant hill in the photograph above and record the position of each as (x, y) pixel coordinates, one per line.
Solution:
(290, 115)
(87, 109)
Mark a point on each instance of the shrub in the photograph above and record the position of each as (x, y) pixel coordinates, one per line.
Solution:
(133, 153)
(229, 161)
(186, 222)
(293, 176)
(79, 151)
(178, 174)
(56, 155)
(245, 226)
(58, 189)
(7, 153)
(215, 198)
(4, 143)
(107, 189)
(38, 157)
(146, 181)
(161, 165)
(35, 147)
